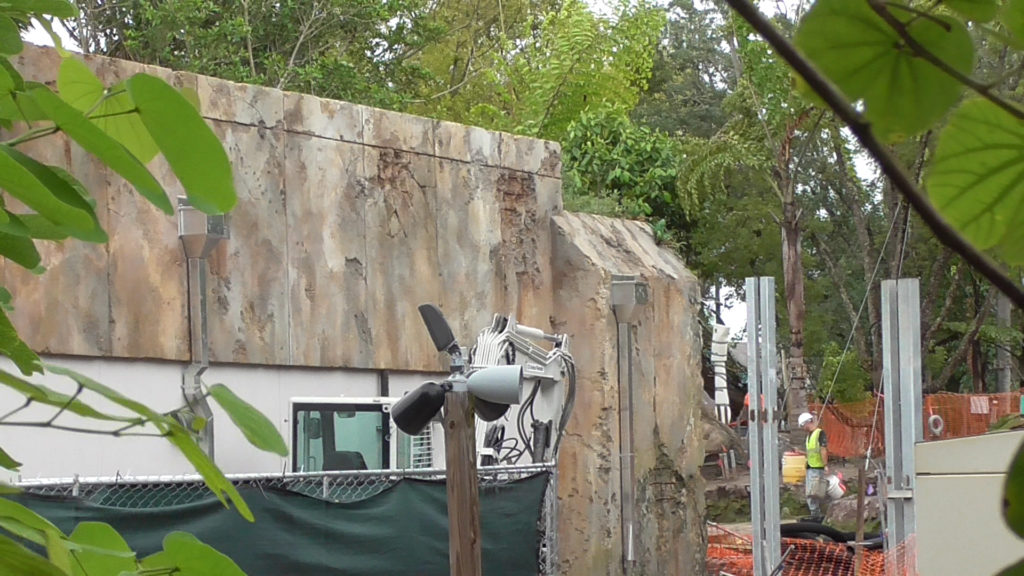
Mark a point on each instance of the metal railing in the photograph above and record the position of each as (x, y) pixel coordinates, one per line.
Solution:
(342, 487)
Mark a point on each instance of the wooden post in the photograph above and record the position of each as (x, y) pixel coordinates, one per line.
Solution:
(463, 498)
(858, 558)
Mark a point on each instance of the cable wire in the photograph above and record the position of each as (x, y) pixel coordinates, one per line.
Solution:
(863, 302)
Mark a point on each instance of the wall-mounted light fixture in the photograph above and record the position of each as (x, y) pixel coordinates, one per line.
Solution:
(199, 234)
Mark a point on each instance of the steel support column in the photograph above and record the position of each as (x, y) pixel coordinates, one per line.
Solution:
(763, 428)
(901, 378)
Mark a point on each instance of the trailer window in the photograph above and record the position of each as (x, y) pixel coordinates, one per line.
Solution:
(340, 437)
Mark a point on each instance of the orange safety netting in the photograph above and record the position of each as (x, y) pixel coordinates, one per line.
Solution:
(732, 554)
(854, 427)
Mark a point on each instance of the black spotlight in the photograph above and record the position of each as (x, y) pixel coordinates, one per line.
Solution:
(488, 411)
(416, 409)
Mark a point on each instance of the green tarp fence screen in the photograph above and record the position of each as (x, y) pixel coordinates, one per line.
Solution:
(400, 531)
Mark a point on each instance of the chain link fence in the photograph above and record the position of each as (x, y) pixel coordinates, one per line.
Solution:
(343, 487)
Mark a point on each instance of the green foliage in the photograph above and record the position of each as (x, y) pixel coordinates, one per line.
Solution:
(257, 428)
(539, 84)
(356, 50)
(1013, 494)
(975, 177)
(865, 56)
(634, 169)
(977, 10)
(843, 376)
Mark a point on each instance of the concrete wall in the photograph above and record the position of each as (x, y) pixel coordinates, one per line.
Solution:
(349, 218)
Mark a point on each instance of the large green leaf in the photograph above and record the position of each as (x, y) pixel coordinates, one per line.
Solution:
(6, 82)
(19, 182)
(26, 533)
(77, 85)
(58, 8)
(212, 476)
(976, 178)
(96, 141)
(113, 111)
(20, 250)
(7, 462)
(191, 557)
(1013, 18)
(68, 190)
(977, 10)
(103, 551)
(1013, 494)
(1015, 570)
(257, 428)
(10, 36)
(190, 147)
(16, 559)
(866, 58)
(13, 347)
(25, 523)
(43, 395)
(117, 116)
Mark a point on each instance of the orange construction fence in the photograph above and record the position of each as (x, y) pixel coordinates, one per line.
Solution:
(854, 427)
(732, 554)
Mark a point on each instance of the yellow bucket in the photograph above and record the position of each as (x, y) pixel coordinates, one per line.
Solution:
(794, 467)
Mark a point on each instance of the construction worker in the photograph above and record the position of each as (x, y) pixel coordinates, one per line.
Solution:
(815, 485)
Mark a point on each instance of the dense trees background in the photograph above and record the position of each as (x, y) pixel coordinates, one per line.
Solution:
(677, 114)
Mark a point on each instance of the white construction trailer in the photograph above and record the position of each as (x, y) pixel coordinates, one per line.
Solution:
(332, 419)
(959, 504)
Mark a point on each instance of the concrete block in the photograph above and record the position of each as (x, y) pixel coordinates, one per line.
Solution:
(305, 114)
(383, 129)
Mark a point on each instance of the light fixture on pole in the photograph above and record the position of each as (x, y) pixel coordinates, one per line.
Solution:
(486, 392)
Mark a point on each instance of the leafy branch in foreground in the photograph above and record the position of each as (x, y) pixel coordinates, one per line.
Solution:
(123, 127)
(907, 67)
(862, 129)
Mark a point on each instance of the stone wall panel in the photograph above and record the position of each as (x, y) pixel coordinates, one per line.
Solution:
(248, 290)
(326, 201)
(469, 246)
(402, 267)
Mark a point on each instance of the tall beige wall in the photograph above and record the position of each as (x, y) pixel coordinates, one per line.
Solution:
(349, 218)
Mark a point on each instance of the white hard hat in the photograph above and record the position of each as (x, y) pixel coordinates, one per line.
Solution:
(804, 419)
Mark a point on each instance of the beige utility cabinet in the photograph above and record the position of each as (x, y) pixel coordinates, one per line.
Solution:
(958, 504)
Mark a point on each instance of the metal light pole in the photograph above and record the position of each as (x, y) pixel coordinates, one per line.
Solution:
(628, 296)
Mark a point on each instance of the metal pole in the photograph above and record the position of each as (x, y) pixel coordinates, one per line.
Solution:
(901, 376)
(754, 426)
(893, 424)
(463, 497)
(770, 437)
(626, 445)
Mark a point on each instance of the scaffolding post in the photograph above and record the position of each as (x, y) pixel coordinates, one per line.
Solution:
(763, 425)
(901, 378)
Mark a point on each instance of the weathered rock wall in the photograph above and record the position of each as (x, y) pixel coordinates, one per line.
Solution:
(667, 387)
(350, 217)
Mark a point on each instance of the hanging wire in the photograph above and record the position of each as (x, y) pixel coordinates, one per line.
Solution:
(867, 294)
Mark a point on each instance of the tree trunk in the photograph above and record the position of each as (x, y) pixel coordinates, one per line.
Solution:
(793, 272)
(1004, 359)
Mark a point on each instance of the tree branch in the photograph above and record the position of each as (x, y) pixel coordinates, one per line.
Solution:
(965, 344)
(81, 430)
(888, 163)
(73, 397)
